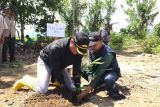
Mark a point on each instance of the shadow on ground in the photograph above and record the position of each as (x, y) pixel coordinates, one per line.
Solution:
(129, 54)
(4, 84)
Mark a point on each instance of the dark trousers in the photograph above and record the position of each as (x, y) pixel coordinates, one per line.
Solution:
(9, 43)
(108, 78)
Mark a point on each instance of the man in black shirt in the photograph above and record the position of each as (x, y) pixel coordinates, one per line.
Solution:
(53, 60)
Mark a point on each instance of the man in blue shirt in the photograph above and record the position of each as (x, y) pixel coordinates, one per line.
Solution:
(107, 71)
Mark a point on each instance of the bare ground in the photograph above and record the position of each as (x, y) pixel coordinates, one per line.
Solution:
(140, 82)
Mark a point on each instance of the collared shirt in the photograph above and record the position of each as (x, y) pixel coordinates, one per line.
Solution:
(58, 56)
(3, 25)
(11, 27)
(108, 57)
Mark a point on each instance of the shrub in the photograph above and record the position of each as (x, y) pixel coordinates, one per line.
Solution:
(116, 41)
(121, 40)
(128, 40)
(156, 49)
(156, 30)
(150, 44)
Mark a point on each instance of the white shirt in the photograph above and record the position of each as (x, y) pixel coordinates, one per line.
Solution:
(3, 25)
(11, 27)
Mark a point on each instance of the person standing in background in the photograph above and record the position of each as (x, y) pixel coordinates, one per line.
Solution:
(3, 26)
(105, 33)
(9, 40)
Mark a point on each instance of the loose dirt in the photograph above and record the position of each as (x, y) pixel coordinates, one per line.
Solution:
(140, 82)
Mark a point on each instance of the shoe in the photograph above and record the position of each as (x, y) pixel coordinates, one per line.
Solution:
(25, 81)
(56, 83)
(117, 95)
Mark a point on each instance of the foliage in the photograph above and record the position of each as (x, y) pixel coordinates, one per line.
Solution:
(94, 17)
(45, 13)
(156, 30)
(38, 12)
(121, 40)
(24, 10)
(150, 44)
(116, 41)
(141, 15)
(156, 49)
(99, 11)
(66, 13)
(109, 7)
(87, 66)
(128, 40)
(71, 11)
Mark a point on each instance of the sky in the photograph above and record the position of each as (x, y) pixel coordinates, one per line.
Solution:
(118, 17)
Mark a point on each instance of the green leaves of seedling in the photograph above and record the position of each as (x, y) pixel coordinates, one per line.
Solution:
(88, 66)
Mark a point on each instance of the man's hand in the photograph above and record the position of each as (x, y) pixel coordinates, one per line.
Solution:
(84, 92)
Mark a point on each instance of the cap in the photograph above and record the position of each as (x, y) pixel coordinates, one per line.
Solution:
(94, 37)
(81, 42)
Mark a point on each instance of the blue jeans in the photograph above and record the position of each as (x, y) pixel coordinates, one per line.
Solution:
(109, 79)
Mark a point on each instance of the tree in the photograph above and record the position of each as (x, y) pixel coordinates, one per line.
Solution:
(109, 6)
(24, 10)
(72, 12)
(38, 12)
(45, 10)
(141, 15)
(98, 12)
(94, 17)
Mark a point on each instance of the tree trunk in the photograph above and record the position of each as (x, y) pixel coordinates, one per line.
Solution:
(22, 27)
(22, 32)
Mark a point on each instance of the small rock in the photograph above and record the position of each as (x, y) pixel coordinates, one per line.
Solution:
(120, 102)
(10, 103)
(1, 92)
(143, 54)
(5, 100)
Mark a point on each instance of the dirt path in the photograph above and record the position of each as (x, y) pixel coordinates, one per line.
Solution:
(140, 83)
